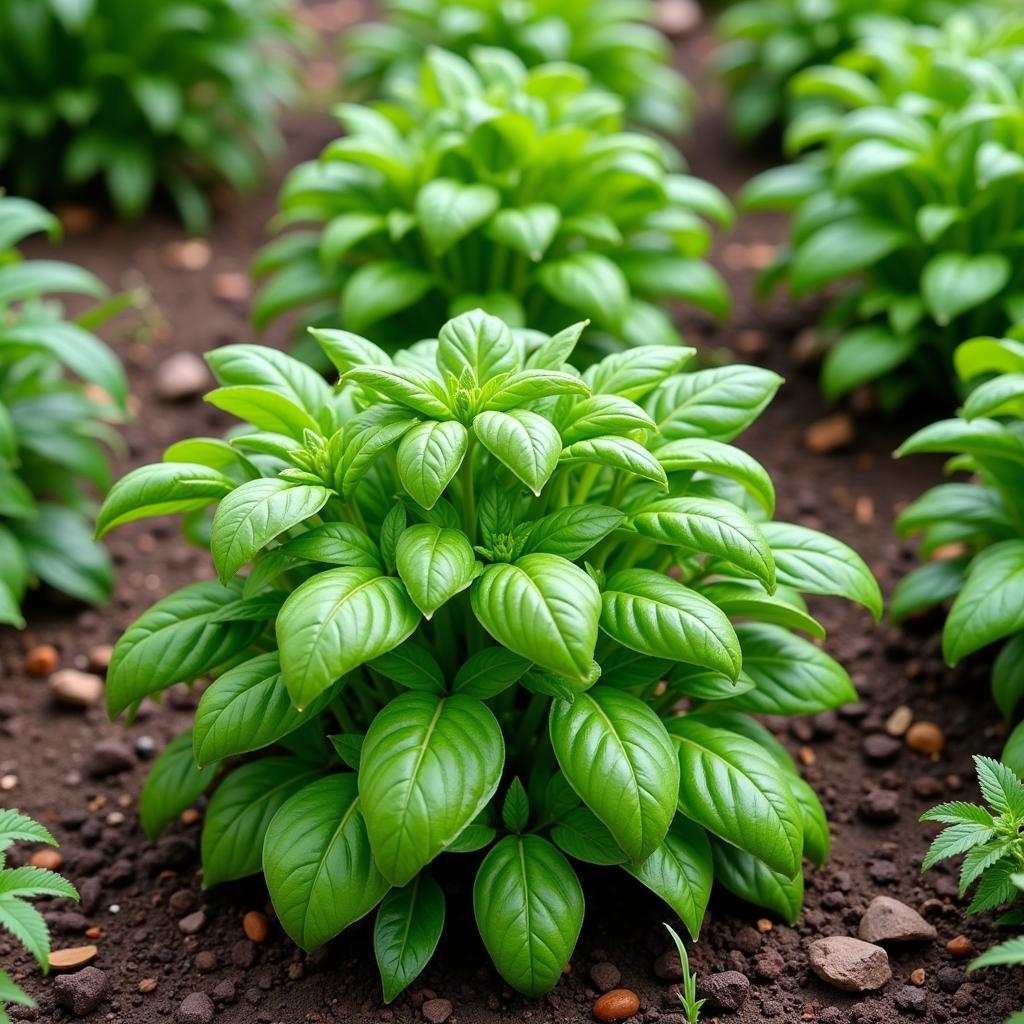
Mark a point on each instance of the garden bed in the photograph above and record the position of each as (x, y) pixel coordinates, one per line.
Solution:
(167, 939)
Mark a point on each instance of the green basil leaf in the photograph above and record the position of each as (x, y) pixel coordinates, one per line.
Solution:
(429, 457)
(620, 453)
(406, 933)
(529, 229)
(406, 387)
(954, 282)
(735, 790)
(816, 835)
(335, 544)
(487, 673)
(161, 489)
(265, 408)
(616, 754)
(543, 608)
(1008, 677)
(701, 454)
(448, 210)
(572, 531)
(580, 833)
(843, 248)
(587, 283)
(529, 908)
(411, 665)
(480, 343)
(736, 598)
(434, 565)
(752, 880)
(254, 514)
(657, 616)
(679, 871)
(523, 441)
(379, 290)
(240, 812)
(429, 765)
(318, 863)
(335, 622)
(601, 415)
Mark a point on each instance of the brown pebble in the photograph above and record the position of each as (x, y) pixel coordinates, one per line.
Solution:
(917, 977)
(190, 254)
(50, 860)
(99, 657)
(764, 925)
(93, 932)
(830, 434)
(73, 958)
(147, 985)
(231, 286)
(960, 946)
(618, 1004)
(41, 660)
(807, 756)
(189, 816)
(75, 689)
(926, 738)
(256, 926)
(899, 721)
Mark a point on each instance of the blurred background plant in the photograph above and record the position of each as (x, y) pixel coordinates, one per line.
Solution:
(490, 185)
(612, 39)
(61, 389)
(165, 96)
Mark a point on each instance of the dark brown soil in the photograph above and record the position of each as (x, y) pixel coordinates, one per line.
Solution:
(130, 887)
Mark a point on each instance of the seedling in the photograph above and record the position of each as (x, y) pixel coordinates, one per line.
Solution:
(688, 997)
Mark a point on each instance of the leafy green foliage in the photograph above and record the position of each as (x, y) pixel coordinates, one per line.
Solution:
(60, 389)
(766, 43)
(989, 840)
(475, 638)
(488, 185)
(972, 534)
(915, 156)
(17, 887)
(612, 40)
(169, 95)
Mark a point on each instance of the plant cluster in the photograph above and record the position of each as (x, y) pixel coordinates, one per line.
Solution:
(766, 43)
(17, 887)
(989, 839)
(972, 530)
(611, 39)
(60, 388)
(910, 187)
(169, 95)
(493, 604)
(493, 186)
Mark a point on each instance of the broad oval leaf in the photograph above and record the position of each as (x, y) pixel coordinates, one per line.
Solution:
(448, 210)
(523, 441)
(240, 811)
(572, 531)
(480, 343)
(615, 753)
(428, 766)
(619, 453)
(735, 790)
(337, 620)
(658, 616)
(434, 564)
(429, 456)
(543, 608)
(254, 514)
(528, 905)
(580, 833)
(752, 880)
(702, 454)
(318, 863)
(175, 783)
(955, 282)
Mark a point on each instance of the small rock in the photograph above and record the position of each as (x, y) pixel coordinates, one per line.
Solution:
(879, 747)
(618, 1004)
(769, 965)
(950, 978)
(437, 1011)
(224, 991)
(49, 860)
(183, 901)
(190, 254)
(899, 721)
(888, 920)
(880, 805)
(243, 954)
(70, 959)
(231, 286)
(42, 660)
(849, 964)
(99, 657)
(605, 976)
(926, 738)
(917, 976)
(81, 992)
(182, 376)
(91, 892)
(147, 985)
(960, 946)
(109, 757)
(668, 966)
(75, 689)
(725, 991)
(830, 434)
(193, 923)
(196, 1008)
(256, 926)
(911, 999)
(206, 961)
(747, 940)
(926, 787)
(145, 747)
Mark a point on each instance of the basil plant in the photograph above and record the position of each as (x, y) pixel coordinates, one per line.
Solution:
(765, 44)
(61, 389)
(612, 39)
(496, 187)
(490, 609)
(910, 188)
(165, 96)
(972, 533)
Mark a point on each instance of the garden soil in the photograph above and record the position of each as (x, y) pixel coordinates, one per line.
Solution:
(161, 937)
